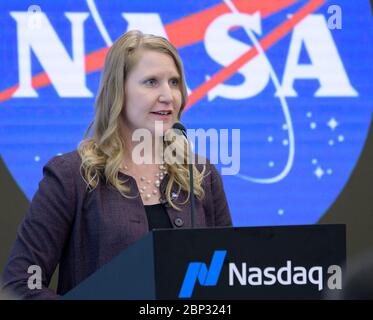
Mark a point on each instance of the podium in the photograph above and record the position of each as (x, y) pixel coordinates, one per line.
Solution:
(280, 262)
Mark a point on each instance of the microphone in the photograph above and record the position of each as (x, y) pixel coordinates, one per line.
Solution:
(179, 128)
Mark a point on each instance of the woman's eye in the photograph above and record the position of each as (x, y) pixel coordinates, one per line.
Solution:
(175, 82)
(150, 82)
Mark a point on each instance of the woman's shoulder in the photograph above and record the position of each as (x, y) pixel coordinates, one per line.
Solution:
(66, 166)
(71, 160)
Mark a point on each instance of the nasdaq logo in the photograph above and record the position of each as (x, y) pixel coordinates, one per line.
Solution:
(314, 277)
(198, 271)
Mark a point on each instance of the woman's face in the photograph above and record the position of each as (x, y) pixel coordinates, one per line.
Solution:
(153, 92)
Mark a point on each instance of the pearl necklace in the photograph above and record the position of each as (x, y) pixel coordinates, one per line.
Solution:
(145, 184)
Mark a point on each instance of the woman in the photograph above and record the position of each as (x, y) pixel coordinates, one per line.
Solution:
(94, 202)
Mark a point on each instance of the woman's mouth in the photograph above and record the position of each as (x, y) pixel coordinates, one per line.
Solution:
(163, 115)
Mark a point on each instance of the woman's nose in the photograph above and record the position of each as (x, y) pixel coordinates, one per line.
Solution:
(165, 94)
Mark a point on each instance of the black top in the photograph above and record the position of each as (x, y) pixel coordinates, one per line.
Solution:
(157, 216)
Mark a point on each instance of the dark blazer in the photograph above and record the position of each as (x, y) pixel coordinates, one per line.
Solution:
(81, 230)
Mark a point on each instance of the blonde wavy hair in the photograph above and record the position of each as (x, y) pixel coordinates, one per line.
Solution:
(102, 153)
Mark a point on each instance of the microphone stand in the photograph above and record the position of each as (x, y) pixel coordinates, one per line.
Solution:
(180, 127)
(192, 203)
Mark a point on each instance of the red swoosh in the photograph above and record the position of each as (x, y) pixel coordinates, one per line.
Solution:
(269, 40)
(182, 34)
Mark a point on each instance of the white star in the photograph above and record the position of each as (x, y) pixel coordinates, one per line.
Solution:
(280, 212)
(319, 172)
(314, 161)
(285, 142)
(331, 142)
(313, 125)
(271, 164)
(37, 158)
(332, 124)
(270, 139)
(329, 171)
(341, 138)
(309, 114)
(284, 126)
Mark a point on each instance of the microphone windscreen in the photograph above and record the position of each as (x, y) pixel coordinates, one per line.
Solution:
(179, 126)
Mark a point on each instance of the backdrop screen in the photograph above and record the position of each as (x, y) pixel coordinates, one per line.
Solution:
(295, 77)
